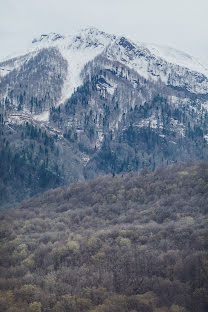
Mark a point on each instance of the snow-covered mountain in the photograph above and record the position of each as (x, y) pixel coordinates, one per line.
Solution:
(172, 67)
(150, 61)
(92, 103)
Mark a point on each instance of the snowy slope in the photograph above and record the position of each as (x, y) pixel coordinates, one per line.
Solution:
(154, 62)
(78, 49)
(172, 67)
(177, 57)
(150, 61)
(90, 42)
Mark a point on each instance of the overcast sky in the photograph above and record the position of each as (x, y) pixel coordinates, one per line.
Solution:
(178, 23)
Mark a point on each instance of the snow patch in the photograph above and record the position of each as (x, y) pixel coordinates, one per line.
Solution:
(76, 59)
(177, 126)
(19, 118)
(42, 117)
(151, 122)
(85, 158)
(99, 139)
(206, 138)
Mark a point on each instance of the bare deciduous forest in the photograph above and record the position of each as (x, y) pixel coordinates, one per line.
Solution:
(129, 242)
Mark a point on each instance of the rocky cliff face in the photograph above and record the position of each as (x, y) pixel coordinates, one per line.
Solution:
(107, 104)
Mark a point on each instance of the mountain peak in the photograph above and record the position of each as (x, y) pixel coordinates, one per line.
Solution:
(93, 37)
(89, 37)
(93, 31)
(148, 60)
(48, 37)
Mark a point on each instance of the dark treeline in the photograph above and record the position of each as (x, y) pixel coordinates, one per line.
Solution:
(26, 165)
(131, 242)
(33, 159)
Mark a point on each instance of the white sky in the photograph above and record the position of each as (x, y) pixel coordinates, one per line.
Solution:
(178, 23)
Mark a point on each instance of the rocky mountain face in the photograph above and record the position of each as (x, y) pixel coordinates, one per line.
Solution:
(74, 107)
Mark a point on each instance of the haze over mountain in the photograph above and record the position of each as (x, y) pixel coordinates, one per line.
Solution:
(77, 106)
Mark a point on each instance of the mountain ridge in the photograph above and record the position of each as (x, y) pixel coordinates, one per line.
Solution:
(97, 42)
(162, 50)
(107, 104)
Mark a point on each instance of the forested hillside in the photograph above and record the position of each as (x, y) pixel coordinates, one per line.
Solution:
(128, 242)
(88, 104)
(33, 160)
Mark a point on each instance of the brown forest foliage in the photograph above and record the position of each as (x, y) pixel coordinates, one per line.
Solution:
(133, 242)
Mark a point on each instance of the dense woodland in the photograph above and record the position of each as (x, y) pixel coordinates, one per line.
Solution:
(33, 160)
(119, 243)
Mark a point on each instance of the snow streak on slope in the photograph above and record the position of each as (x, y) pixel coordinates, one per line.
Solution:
(78, 49)
(76, 59)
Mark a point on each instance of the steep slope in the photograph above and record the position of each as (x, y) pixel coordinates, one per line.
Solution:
(35, 85)
(124, 122)
(132, 242)
(177, 57)
(109, 105)
(33, 159)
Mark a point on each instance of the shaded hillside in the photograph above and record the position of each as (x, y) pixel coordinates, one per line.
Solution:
(33, 160)
(132, 242)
